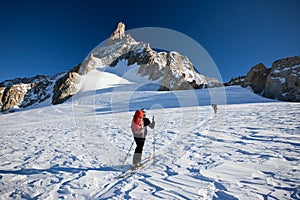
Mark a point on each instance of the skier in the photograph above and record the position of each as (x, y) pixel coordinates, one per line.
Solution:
(139, 129)
(215, 107)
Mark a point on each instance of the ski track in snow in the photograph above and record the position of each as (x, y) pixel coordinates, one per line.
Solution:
(76, 149)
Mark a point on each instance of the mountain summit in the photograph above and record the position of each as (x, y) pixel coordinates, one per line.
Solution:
(126, 59)
(172, 70)
(169, 70)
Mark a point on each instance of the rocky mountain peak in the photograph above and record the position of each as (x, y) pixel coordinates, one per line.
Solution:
(171, 70)
(119, 33)
(118, 45)
(174, 70)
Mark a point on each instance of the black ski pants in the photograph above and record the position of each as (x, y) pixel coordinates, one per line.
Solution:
(139, 144)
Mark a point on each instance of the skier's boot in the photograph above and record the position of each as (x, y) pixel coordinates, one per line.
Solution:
(137, 157)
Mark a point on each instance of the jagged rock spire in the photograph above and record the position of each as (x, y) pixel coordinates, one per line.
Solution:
(119, 33)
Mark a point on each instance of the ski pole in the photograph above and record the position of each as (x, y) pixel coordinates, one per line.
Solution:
(153, 141)
(127, 154)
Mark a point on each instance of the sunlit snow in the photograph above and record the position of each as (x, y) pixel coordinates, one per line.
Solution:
(248, 150)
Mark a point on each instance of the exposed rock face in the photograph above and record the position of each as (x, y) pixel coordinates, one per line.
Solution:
(236, 81)
(256, 78)
(283, 82)
(65, 87)
(2, 89)
(114, 49)
(14, 95)
(38, 93)
(21, 93)
(170, 69)
(119, 33)
(177, 72)
(174, 71)
(136, 55)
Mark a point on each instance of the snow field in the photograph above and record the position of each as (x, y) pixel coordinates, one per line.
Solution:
(248, 150)
(253, 153)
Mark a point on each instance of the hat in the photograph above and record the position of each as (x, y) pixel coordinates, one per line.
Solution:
(143, 109)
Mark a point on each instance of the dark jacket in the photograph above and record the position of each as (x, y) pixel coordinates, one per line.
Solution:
(148, 123)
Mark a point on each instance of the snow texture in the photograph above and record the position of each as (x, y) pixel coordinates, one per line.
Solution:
(249, 149)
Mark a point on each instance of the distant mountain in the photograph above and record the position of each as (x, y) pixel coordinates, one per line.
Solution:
(281, 82)
(170, 70)
(24, 92)
(21, 93)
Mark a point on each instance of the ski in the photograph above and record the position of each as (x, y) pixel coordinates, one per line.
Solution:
(132, 170)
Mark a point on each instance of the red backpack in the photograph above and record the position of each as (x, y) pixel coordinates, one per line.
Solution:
(137, 125)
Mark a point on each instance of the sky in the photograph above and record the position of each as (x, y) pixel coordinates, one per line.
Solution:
(49, 37)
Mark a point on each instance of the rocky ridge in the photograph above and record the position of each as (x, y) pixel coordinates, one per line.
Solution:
(21, 93)
(173, 71)
(281, 81)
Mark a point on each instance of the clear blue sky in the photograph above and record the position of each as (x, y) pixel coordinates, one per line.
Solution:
(49, 36)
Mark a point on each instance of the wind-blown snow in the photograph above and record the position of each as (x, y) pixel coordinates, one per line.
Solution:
(248, 150)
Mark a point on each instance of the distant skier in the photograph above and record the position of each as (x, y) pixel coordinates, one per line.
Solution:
(139, 129)
(215, 107)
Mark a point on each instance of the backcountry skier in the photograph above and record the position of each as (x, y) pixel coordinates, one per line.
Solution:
(215, 107)
(139, 129)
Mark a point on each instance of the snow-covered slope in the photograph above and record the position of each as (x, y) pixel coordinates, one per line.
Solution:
(248, 150)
